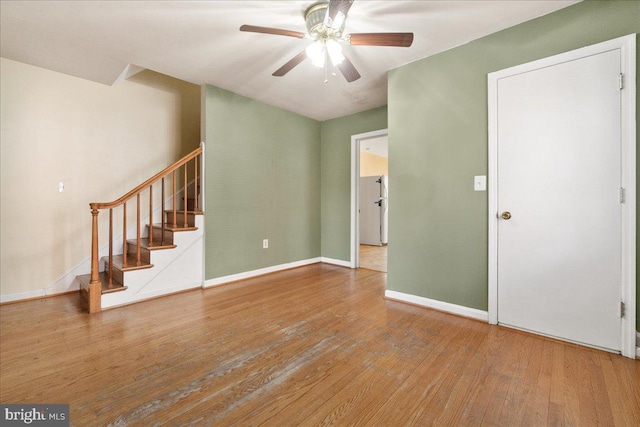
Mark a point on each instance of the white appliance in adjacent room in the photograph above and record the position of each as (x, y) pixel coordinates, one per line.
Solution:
(374, 212)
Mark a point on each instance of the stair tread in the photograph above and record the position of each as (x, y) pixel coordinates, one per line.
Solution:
(104, 282)
(170, 211)
(131, 263)
(144, 243)
(180, 227)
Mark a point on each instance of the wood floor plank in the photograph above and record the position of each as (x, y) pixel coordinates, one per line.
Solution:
(373, 257)
(577, 410)
(478, 409)
(380, 370)
(507, 354)
(339, 372)
(556, 393)
(621, 415)
(317, 345)
(452, 397)
(537, 408)
(524, 410)
(406, 404)
(623, 383)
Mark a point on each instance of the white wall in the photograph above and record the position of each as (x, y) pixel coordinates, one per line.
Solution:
(101, 141)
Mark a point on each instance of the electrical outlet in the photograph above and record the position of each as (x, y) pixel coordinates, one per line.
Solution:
(265, 243)
(60, 187)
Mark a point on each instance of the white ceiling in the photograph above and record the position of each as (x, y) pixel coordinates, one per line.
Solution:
(199, 41)
(377, 146)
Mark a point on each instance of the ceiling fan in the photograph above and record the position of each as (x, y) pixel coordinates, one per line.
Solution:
(325, 26)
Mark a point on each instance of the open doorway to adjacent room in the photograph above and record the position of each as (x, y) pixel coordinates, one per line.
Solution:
(372, 200)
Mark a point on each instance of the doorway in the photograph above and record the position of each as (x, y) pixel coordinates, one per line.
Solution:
(374, 203)
(369, 200)
(562, 203)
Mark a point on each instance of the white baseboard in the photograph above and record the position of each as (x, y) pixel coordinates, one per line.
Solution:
(333, 261)
(254, 273)
(438, 305)
(22, 295)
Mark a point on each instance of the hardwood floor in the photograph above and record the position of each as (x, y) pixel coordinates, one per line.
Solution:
(317, 345)
(373, 257)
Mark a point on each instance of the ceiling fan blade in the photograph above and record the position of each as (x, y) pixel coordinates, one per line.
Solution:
(382, 39)
(348, 70)
(276, 31)
(291, 64)
(337, 13)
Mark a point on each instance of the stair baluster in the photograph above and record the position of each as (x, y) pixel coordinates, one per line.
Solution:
(138, 233)
(195, 186)
(110, 269)
(175, 201)
(124, 234)
(163, 220)
(184, 195)
(151, 215)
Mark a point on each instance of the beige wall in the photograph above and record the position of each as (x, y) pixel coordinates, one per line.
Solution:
(99, 140)
(371, 165)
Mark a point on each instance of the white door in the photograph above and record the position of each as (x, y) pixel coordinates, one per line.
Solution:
(370, 211)
(559, 178)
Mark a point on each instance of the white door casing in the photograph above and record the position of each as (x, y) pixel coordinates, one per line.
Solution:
(566, 259)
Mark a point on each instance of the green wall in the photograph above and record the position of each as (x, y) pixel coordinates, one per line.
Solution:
(438, 142)
(262, 182)
(336, 177)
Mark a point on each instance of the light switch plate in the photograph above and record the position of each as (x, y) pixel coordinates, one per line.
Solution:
(480, 183)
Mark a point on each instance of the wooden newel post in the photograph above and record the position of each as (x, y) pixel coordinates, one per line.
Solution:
(95, 287)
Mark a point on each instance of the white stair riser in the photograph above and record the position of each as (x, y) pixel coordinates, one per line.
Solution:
(173, 270)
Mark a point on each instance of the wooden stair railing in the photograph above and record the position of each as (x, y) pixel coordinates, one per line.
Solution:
(132, 259)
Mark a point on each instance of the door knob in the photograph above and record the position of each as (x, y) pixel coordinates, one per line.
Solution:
(506, 215)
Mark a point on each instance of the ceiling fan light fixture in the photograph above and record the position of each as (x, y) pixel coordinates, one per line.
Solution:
(325, 21)
(318, 51)
(315, 52)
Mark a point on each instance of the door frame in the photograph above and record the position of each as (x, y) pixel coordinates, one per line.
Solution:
(627, 46)
(355, 190)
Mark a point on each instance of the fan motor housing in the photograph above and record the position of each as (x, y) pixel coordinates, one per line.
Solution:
(314, 18)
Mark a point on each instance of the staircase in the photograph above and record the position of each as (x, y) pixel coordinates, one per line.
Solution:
(162, 258)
